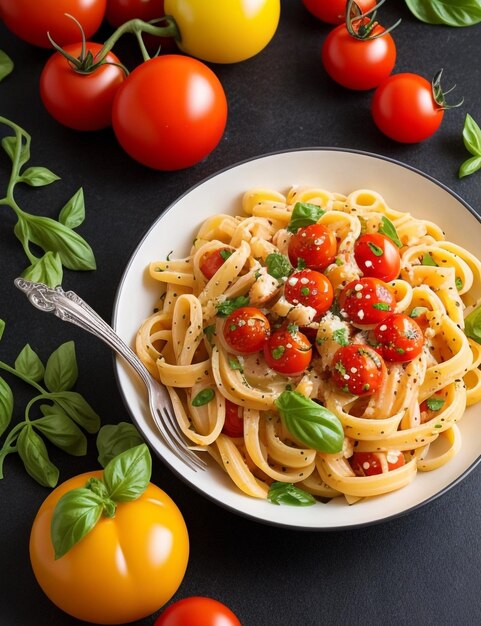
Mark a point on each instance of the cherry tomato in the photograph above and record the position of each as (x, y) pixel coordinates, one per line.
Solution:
(212, 261)
(197, 611)
(224, 32)
(246, 330)
(309, 288)
(126, 568)
(370, 463)
(334, 11)
(234, 420)
(358, 369)
(80, 101)
(314, 245)
(367, 301)
(288, 351)
(170, 112)
(358, 63)
(378, 256)
(121, 11)
(404, 108)
(31, 20)
(400, 337)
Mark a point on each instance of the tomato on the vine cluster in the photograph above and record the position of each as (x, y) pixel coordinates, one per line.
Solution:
(334, 11)
(197, 611)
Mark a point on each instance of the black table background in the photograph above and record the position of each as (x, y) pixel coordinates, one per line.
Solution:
(422, 567)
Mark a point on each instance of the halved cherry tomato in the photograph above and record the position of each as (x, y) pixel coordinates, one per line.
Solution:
(377, 256)
(234, 420)
(309, 288)
(197, 611)
(334, 11)
(358, 369)
(367, 301)
(212, 261)
(288, 351)
(370, 463)
(246, 330)
(312, 246)
(400, 337)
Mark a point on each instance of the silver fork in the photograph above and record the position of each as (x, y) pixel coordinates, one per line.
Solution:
(69, 307)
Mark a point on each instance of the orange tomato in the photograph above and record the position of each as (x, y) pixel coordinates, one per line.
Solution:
(126, 568)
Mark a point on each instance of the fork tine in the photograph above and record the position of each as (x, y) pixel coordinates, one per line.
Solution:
(180, 451)
(180, 438)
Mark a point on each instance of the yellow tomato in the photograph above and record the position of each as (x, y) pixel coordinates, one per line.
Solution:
(126, 568)
(224, 31)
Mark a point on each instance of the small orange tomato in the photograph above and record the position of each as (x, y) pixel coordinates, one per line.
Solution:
(124, 569)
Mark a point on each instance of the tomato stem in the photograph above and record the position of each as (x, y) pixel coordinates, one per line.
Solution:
(439, 94)
(360, 25)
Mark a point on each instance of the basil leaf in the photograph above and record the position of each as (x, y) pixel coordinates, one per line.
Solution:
(472, 325)
(418, 311)
(310, 423)
(376, 250)
(10, 143)
(472, 136)
(76, 514)
(304, 214)
(38, 176)
(203, 397)
(34, 455)
(116, 438)
(234, 364)
(449, 12)
(387, 228)
(29, 364)
(75, 253)
(278, 265)
(77, 408)
(47, 269)
(435, 403)
(6, 405)
(428, 260)
(2, 328)
(470, 166)
(73, 213)
(59, 429)
(340, 336)
(127, 475)
(381, 306)
(287, 493)
(61, 372)
(6, 65)
(229, 306)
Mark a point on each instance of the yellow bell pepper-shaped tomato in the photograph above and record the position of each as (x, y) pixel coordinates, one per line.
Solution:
(224, 31)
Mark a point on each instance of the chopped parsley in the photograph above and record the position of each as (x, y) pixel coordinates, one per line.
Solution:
(227, 307)
(435, 403)
(340, 336)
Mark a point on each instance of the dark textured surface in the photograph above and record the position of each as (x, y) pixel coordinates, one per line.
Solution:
(419, 569)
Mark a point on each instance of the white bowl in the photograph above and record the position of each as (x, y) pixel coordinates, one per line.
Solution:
(404, 188)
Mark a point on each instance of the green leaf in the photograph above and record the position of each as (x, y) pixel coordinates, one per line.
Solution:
(6, 65)
(228, 306)
(38, 176)
(2, 328)
(381, 306)
(278, 265)
(435, 403)
(340, 336)
(76, 514)
(116, 438)
(47, 269)
(287, 493)
(203, 397)
(428, 260)
(60, 430)
(234, 364)
(310, 423)
(6, 405)
(61, 372)
(472, 136)
(387, 228)
(34, 455)
(376, 250)
(127, 475)
(29, 364)
(449, 12)
(470, 166)
(418, 311)
(304, 214)
(472, 325)
(77, 408)
(10, 143)
(73, 213)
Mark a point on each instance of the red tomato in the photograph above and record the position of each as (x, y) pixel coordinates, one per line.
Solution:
(212, 261)
(80, 101)
(170, 112)
(358, 369)
(367, 301)
(400, 337)
(377, 256)
(314, 245)
(288, 351)
(31, 20)
(358, 63)
(404, 108)
(121, 11)
(246, 330)
(369, 463)
(309, 288)
(334, 11)
(197, 611)
(234, 420)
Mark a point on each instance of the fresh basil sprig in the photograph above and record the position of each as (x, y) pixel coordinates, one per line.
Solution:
(472, 325)
(451, 13)
(61, 411)
(278, 265)
(125, 479)
(113, 439)
(387, 228)
(62, 246)
(6, 65)
(287, 493)
(472, 142)
(310, 423)
(304, 214)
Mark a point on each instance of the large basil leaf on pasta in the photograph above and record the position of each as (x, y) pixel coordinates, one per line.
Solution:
(310, 423)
